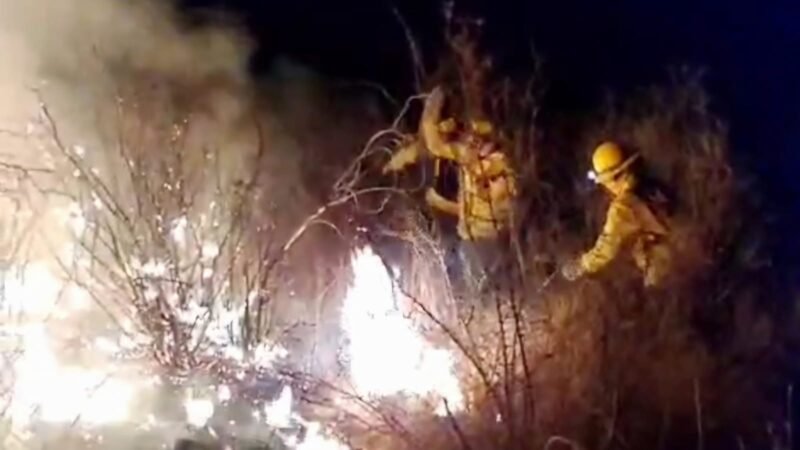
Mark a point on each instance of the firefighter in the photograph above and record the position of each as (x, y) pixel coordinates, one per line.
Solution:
(486, 183)
(487, 186)
(632, 223)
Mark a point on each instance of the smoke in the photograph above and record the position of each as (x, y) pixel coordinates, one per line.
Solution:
(63, 41)
(80, 57)
(83, 58)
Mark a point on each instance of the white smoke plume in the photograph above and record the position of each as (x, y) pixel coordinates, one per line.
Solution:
(80, 58)
(78, 54)
(63, 41)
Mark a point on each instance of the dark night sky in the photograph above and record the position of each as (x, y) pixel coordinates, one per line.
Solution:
(751, 52)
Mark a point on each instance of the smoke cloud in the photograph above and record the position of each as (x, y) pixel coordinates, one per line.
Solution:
(61, 40)
(79, 54)
(83, 57)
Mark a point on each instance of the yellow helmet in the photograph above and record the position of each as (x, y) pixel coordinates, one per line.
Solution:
(447, 126)
(608, 161)
(481, 127)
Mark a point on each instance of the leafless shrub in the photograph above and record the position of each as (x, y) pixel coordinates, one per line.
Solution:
(161, 221)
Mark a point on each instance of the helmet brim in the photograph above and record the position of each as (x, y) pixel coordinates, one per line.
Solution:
(608, 175)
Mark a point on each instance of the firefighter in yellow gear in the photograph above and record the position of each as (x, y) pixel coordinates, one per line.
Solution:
(631, 223)
(487, 185)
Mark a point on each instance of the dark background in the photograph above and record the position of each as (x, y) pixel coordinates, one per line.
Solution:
(749, 51)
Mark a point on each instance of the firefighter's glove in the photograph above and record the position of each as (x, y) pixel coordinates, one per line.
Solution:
(572, 270)
(432, 197)
(406, 156)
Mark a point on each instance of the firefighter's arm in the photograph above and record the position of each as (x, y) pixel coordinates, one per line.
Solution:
(620, 223)
(407, 155)
(430, 131)
(436, 201)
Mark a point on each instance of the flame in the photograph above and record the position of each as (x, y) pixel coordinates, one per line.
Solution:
(388, 355)
(198, 411)
(33, 293)
(45, 388)
(279, 412)
(317, 440)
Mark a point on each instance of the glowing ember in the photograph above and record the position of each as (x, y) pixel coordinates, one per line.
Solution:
(387, 353)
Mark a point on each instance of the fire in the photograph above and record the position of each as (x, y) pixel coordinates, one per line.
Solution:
(388, 355)
(44, 387)
(279, 412)
(317, 440)
(198, 411)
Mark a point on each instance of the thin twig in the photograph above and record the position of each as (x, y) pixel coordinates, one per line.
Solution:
(553, 440)
(790, 419)
(416, 54)
(456, 427)
(699, 415)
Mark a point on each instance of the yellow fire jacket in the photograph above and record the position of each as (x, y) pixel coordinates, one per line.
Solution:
(487, 188)
(487, 185)
(631, 224)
